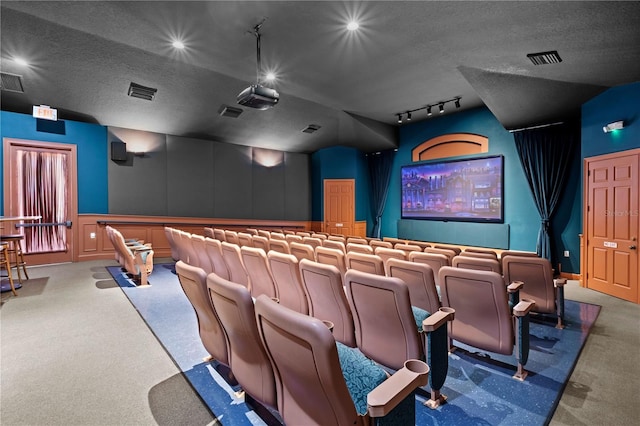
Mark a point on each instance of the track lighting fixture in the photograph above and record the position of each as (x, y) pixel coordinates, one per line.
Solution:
(440, 105)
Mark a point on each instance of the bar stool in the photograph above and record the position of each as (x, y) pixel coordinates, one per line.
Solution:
(16, 257)
(4, 264)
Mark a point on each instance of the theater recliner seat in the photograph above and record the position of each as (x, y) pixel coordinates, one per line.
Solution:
(194, 283)
(327, 298)
(136, 258)
(389, 330)
(247, 358)
(420, 281)
(389, 253)
(364, 262)
(235, 266)
(319, 381)
(484, 318)
(214, 251)
(360, 248)
(331, 256)
(257, 267)
(168, 232)
(539, 285)
(302, 251)
(477, 263)
(286, 275)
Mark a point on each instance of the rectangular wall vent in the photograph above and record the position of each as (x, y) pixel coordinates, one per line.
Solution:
(228, 111)
(311, 128)
(142, 92)
(543, 58)
(11, 83)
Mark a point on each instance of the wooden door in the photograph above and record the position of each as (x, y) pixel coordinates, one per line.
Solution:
(339, 202)
(40, 179)
(611, 224)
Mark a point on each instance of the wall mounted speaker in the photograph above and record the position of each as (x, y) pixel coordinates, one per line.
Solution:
(118, 151)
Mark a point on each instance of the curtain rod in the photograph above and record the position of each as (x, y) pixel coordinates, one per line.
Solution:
(536, 127)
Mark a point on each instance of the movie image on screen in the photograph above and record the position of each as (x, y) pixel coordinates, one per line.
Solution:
(457, 190)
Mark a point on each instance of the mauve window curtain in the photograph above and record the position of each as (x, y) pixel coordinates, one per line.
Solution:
(43, 192)
(379, 176)
(545, 155)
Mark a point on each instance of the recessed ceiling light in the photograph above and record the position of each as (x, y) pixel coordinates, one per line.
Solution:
(20, 61)
(178, 44)
(353, 25)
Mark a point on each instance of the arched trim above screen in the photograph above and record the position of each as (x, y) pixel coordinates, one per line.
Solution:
(450, 145)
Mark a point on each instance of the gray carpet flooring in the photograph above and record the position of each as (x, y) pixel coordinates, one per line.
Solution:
(73, 351)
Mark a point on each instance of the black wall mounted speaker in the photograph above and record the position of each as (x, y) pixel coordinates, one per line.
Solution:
(118, 151)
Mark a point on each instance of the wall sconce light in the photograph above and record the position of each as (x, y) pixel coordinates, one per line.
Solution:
(611, 127)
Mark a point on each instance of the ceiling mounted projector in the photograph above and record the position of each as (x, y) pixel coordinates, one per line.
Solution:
(257, 96)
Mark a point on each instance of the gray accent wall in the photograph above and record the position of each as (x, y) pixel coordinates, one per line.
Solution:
(188, 177)
(138, 186)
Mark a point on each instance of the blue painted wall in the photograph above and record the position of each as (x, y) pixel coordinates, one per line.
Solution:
(617, 103)
(340, 163)
(519, 209)
(91, 142)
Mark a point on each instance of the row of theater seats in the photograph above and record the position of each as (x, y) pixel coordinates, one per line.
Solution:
(373, 256)
(383, 306)
(135, 257)
(290, 361)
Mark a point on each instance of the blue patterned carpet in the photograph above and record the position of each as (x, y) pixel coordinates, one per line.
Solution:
(479, 386)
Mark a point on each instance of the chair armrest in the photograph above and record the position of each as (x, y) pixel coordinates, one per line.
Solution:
(140, 248)
(437, 319)
(387, 395)
(559, 282)
(523, 307)
(515, 286)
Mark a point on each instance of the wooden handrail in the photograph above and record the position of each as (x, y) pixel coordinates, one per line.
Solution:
(207, 224)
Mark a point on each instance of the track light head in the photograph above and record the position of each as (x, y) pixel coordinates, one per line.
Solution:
(408, 115)
(441, 107)
(399, 118)
(429, 110)
(457, 103)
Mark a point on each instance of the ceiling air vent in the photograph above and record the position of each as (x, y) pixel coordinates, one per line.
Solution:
(228, 111)
(142, 92)
(543, 58)
(11, 83)
(311, 128)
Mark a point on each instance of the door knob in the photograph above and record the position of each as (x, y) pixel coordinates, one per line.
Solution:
(632, 247)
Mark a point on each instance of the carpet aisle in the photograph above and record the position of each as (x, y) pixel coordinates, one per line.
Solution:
(479, 386)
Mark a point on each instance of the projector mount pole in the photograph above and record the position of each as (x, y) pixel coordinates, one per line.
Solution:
(256, 32)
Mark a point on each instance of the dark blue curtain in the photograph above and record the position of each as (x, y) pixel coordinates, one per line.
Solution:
(545, 155)
(379, 176)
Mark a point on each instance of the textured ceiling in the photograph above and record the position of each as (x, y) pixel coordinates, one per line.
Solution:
(405, 55)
